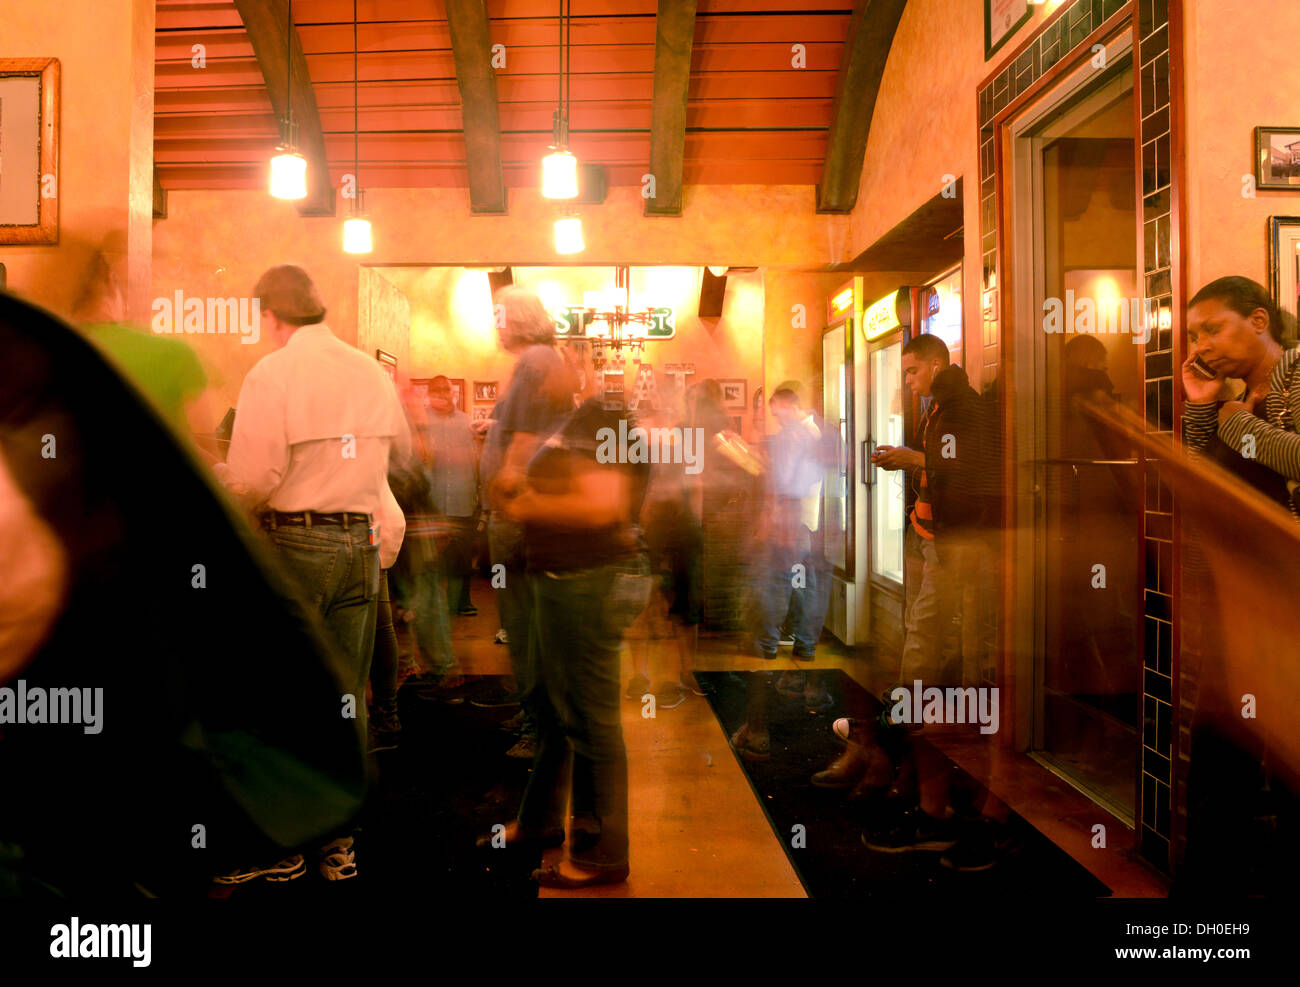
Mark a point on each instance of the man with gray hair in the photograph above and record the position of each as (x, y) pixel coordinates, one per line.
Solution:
(309, 457)
(538, 397)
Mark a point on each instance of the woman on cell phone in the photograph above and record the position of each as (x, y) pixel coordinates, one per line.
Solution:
(1234, 332)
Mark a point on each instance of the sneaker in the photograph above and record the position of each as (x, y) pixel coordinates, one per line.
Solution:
(765, 655)
(787, 641)
(670, 695)
(804, 655)
(448, 694)
(512, 725)
(338, 860)
(979, 849)
(791, 684)
(751, 746)
(637, 687)
(525, 749)
(500, 637)
(914, 830)
(286, 870)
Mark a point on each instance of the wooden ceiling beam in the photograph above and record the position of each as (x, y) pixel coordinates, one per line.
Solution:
(471, 45)
(266, 22)
(862, 64)
(674, 37)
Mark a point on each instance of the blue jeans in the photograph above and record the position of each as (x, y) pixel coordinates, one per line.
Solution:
(515, 608)
(579, 619)
(424, 595)
(779, 594)
(338, 571)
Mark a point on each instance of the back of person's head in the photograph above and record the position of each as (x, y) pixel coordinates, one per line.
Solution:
(1244, 297)
(522, 319)
(927, 347)
(1086, 352)
(290, 295)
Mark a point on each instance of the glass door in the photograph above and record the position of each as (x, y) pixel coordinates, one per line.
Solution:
(888, 487)
(837, 484)
(1076, 206)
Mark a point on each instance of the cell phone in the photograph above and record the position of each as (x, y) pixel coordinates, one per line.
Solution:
(1202, 368)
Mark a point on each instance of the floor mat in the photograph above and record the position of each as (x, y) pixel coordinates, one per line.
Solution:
(827, 853)
(446, 783)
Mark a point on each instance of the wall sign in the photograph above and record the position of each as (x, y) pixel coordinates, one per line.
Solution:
(1001, 20)
(881, 317)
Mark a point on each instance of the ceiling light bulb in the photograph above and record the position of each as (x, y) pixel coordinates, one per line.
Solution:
(288, 174)
(356, 236)
(560, 175)
(718, 272)
(568, 235)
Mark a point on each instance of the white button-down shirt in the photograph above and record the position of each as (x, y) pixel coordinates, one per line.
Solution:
(313, 429)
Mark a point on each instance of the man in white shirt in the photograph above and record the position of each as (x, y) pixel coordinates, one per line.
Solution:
(309, 456)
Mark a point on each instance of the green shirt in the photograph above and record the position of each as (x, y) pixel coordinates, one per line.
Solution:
(164, 369)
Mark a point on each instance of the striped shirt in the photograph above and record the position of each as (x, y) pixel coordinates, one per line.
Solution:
(1276, 447)
(923, 509)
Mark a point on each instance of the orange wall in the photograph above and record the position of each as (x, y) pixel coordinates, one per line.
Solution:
(1241, 73)
(105, 49)
(216, 243)
(925, 127)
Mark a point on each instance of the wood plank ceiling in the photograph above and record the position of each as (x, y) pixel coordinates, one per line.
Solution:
(751, 117)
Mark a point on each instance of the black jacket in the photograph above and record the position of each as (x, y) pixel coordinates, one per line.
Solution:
(962, 458)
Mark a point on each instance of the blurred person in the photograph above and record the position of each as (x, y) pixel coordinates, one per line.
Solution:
(454, 485)
(309, 455)
(35, 576)
(956, 507)
(165, 368)
(416, 577)
(589, 578)
(536, 401)
(1234, 329)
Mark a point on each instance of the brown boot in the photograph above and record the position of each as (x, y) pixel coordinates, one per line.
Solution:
(845, 771)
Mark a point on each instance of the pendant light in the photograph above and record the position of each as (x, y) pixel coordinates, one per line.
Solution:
(288, 167)
(560, 167)
(356, 228)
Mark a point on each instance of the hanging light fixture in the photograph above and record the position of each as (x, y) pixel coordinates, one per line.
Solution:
(288, 167)
(560, 167)
(356, 228)
(568, 235)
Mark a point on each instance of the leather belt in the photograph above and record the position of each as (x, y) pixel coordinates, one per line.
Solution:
(305, 519)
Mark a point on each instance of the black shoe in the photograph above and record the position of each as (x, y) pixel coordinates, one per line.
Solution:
(495, 697)
(512, 725)
(804, 655)
(915, 830)
(469, 610)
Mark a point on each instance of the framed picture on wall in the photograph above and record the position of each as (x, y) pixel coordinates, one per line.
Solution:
(481, 413)
(458, 394)
(1277, 158)
(733, 394)
(1284, 269)
(1001, 20)
(485, 391)
(29, 150)
(388, 362)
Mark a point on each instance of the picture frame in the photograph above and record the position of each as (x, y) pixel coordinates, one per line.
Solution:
(1284, 269)
(481, 413)
(29, 150)
(1002, 19)
(485, 392)
(734, 394)
(1277, 158)
(388, 362)
(421, 385)
(613, 397)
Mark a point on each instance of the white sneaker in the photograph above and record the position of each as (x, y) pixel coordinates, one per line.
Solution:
(338, 860)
